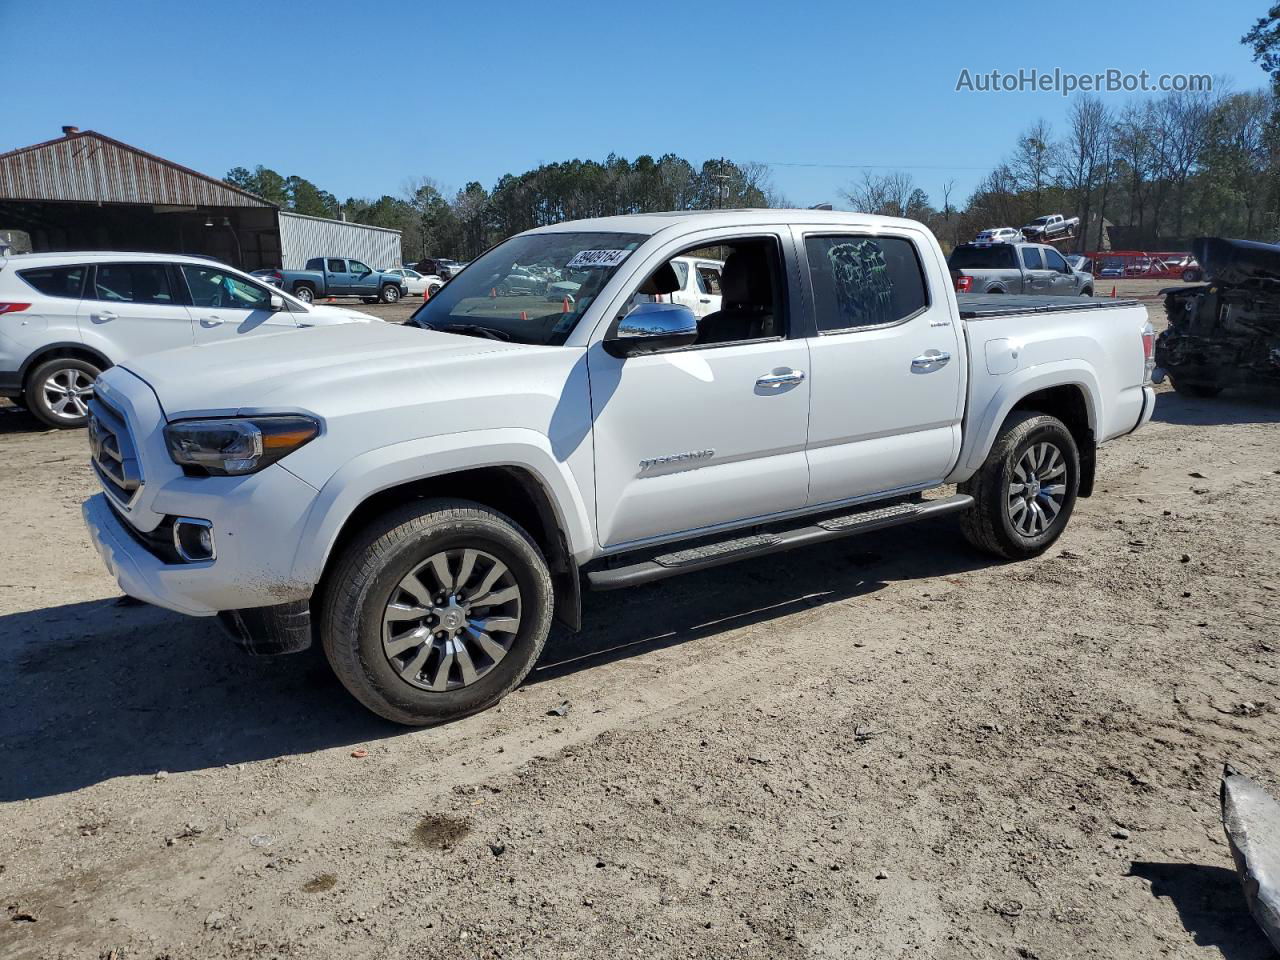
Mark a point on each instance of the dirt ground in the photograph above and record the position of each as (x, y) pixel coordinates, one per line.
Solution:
(886, 747)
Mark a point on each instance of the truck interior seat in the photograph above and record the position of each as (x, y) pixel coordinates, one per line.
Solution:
(747, 307)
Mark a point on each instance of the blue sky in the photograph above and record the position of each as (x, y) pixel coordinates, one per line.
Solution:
(358, 97)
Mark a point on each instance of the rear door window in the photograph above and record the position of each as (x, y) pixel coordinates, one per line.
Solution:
(337, 266)
(56, 281)
(864, 281)
(1031, 258)
(133, 283)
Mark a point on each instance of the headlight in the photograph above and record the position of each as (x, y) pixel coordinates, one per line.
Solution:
(236, 446)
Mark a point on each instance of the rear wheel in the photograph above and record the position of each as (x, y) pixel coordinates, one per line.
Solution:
(1190, 276)
(1026, 490)
(58, 391)
(436, 611)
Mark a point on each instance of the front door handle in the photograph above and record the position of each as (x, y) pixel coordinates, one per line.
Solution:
(775, 380)
(930, 360)
(705, 300)
(212, 320)
(105, 315)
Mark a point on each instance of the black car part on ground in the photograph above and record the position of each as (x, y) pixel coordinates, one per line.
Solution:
(1227, 331)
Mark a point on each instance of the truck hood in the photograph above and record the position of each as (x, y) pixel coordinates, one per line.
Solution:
(299, 370)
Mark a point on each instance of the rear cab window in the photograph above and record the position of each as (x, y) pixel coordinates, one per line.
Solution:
(56, 281)
(1031, 258)
(997, 257)
(864, 281)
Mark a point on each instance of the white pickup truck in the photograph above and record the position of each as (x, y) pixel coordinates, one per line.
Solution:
(424, 498)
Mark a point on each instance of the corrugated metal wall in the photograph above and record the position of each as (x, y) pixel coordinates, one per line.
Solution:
(91, 168)
(302, 238)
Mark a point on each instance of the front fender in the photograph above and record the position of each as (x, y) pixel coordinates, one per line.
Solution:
(420, 459)
(981, 431)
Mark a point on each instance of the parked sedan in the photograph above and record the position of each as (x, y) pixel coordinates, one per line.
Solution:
(417, 283)
(999, 235)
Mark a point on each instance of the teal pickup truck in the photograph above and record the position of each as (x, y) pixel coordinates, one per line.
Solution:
(339, 277)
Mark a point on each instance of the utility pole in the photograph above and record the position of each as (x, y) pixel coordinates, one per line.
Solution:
(722, 187)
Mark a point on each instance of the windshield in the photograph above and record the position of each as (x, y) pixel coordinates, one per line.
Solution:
(530, 289)
(981, 258)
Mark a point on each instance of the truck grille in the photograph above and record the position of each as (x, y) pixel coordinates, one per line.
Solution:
(113, 454)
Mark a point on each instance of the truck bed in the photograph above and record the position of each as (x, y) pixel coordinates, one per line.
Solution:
(983, 306)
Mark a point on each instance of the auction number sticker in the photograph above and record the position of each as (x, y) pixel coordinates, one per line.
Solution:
(598, 258)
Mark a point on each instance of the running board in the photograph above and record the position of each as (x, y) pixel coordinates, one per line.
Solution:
(719, 552)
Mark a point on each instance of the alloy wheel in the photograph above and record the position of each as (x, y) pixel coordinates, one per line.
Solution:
(451, 620)
(1038, 489)
(68, 392)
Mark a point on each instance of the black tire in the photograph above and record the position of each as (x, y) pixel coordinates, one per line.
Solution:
(1190, 276)
(366, 578)
(1194, 388)
(56, 378)
(1087, 292)
(369, 299)
(390, 293)
(989, 526)
(304, 292)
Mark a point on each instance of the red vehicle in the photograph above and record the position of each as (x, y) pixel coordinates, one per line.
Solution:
(1146, 265)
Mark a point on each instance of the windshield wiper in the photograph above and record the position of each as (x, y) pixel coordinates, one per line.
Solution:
(474, 329)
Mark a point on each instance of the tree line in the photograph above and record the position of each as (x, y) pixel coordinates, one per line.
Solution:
(434, 223)
(1151, 173)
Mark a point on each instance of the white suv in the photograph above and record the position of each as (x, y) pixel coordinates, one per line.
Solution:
(66, 317)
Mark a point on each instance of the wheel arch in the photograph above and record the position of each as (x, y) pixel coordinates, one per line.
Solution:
(1067, 391)
(520, 490)
(68, 349)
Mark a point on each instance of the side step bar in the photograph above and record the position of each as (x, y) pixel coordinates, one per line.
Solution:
(720, 552)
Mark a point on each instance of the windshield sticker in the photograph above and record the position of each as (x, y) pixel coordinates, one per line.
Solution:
(597, 258)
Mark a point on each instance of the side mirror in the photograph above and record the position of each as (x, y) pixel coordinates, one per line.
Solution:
(277, 302)
(652, 327)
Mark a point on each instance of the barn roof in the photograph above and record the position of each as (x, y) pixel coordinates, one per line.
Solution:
(88, 167)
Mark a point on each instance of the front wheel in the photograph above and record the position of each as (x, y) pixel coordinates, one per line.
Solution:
(1026, 490)
(304, 293)
(390, 294)
(58, 392)
(436, 611)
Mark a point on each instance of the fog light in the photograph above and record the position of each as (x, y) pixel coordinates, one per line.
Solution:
(193, 539)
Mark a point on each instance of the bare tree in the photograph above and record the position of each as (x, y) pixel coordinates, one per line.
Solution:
(1134, 146)
(1081, 154)
(888, 194)
(1033, 161)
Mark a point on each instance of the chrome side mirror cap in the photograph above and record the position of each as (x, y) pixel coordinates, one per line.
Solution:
(653, 327)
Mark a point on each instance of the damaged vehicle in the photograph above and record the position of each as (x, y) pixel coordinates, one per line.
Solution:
(1225, 332)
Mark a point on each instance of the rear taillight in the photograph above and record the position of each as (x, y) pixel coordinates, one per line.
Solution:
(964, 284)
(1148, 353)
(12, 307)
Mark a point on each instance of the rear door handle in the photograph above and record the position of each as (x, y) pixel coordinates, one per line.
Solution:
(930, 360)
(775, 380)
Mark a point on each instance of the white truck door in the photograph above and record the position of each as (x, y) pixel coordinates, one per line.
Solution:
(888, 365)
(136, 308)
(708, 287)
(706, 435)
(225, 306)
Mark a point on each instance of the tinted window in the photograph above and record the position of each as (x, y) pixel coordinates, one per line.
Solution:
(1053, 260)
(982, 258)
(1031, 258)
(55, 281)
(337, 266)
(864, 281)
(212, 287)
(133, 283)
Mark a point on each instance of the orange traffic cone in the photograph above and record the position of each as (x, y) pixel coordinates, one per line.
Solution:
(426, 294)
(523, 315)
(565, 306)
(1113, 291)
(493, 293)
(328, 300)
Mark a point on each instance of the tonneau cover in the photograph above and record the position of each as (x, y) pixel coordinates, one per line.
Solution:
(980, 306)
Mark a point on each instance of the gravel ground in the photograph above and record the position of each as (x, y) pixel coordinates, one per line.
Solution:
(886, 747)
